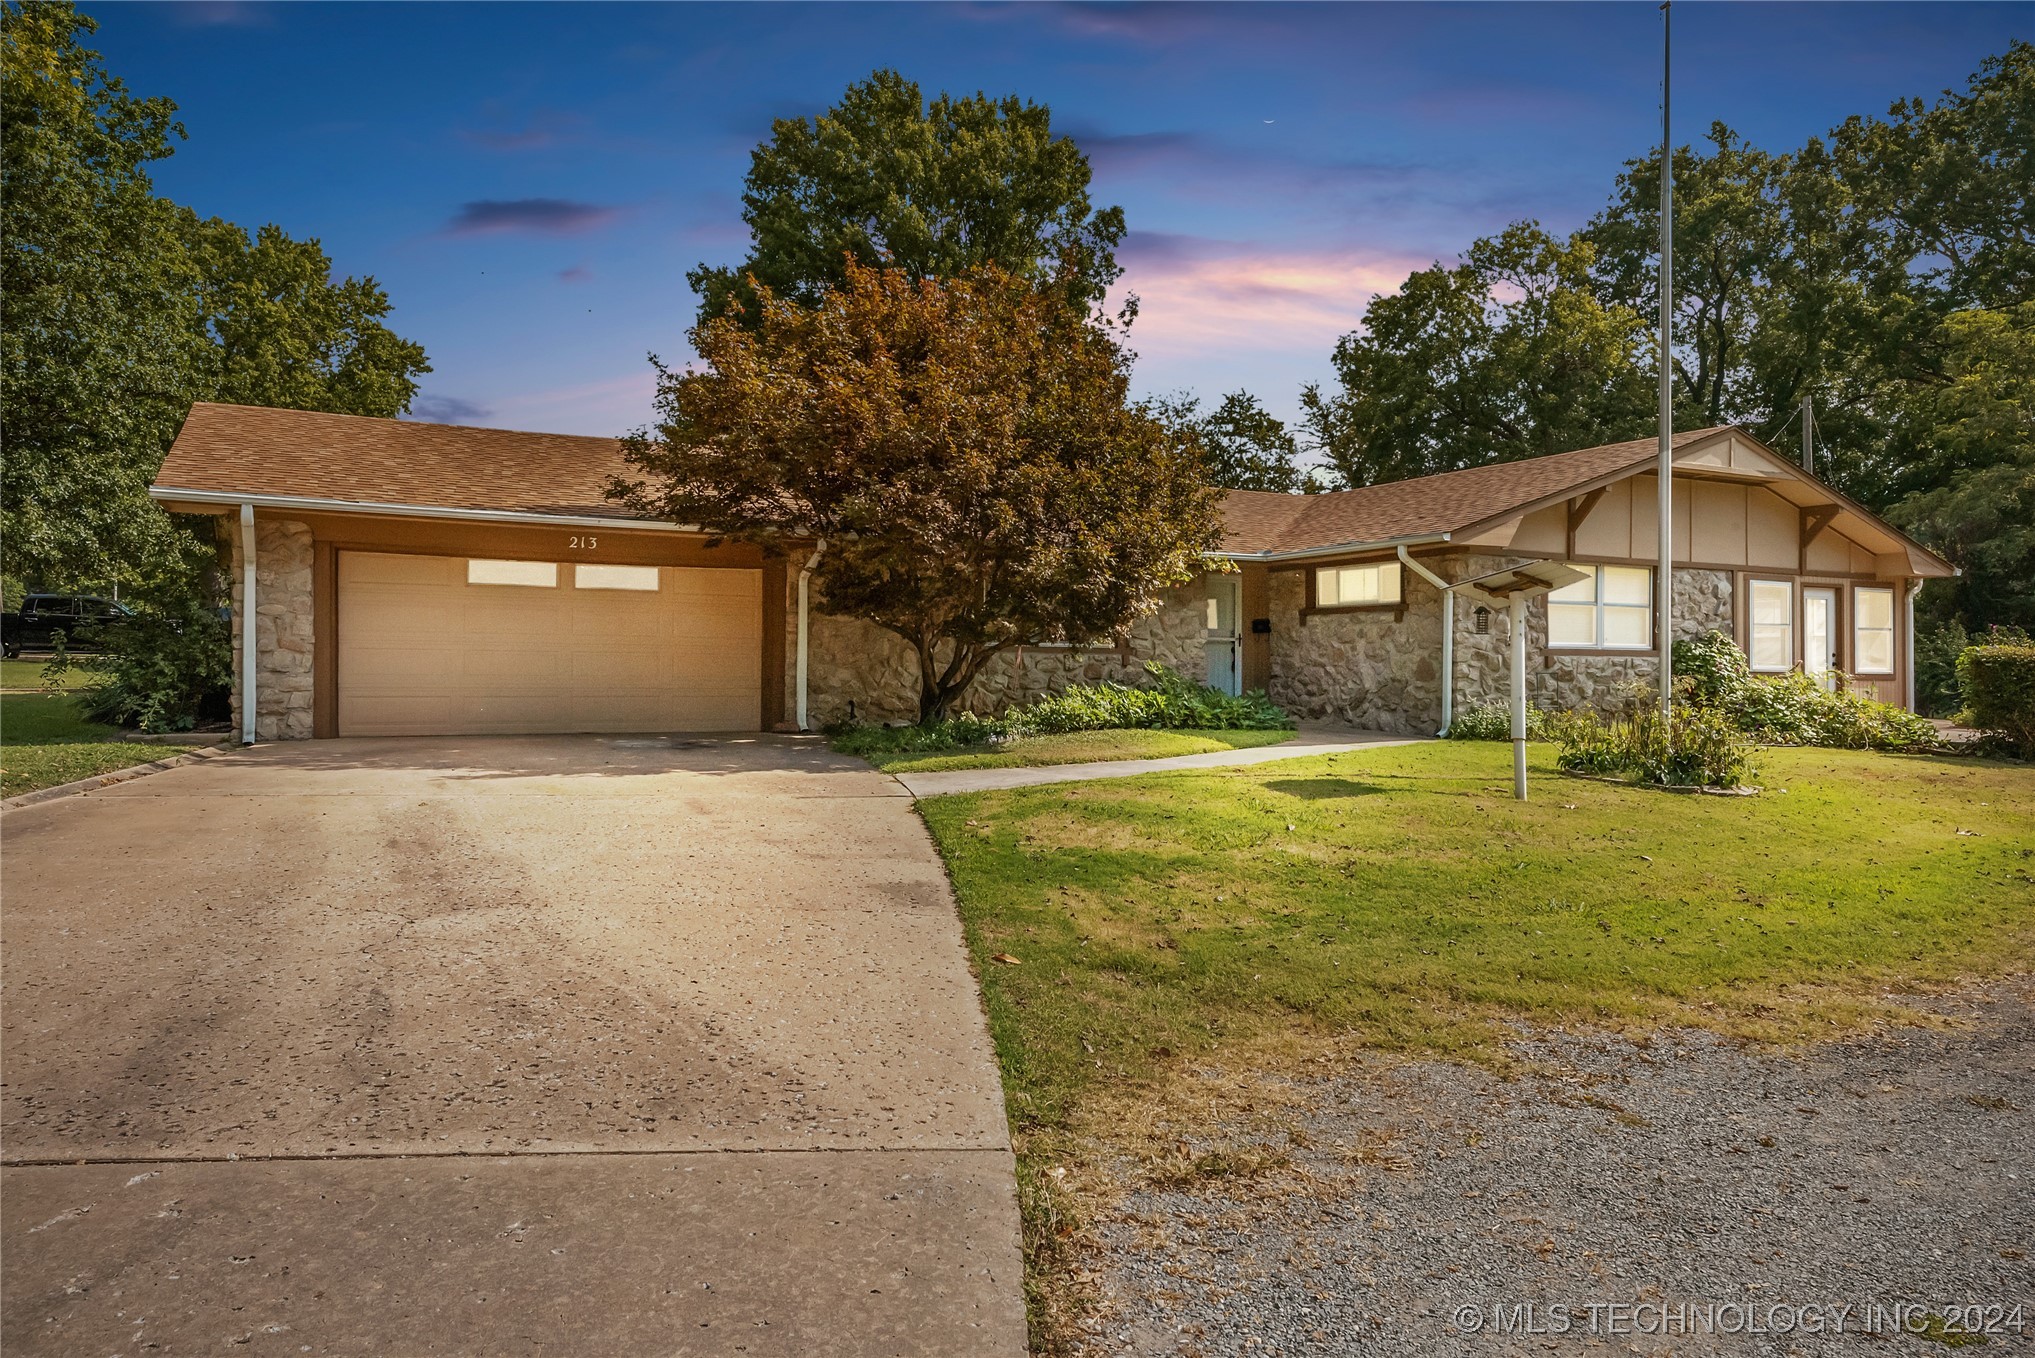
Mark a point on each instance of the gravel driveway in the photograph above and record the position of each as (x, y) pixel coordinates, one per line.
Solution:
(1898, 1169)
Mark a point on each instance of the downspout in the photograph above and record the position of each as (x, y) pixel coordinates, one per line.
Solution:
(247, 654)
(1448, 637)
(1908, 642)
(805, 576)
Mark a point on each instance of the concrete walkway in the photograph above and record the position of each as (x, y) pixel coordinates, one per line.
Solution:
(498, 1046)
(1311, 740)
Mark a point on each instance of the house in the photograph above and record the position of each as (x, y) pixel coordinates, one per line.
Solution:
(412, 578)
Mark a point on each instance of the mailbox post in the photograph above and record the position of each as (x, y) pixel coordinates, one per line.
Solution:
(1512, 590)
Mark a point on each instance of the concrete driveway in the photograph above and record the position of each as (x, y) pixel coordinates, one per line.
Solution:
(512, 1045)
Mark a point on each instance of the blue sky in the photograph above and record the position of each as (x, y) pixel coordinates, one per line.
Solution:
(531, 182)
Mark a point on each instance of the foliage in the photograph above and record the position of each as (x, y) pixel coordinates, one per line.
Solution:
(1509, 354)
(962, 446)
(165, 669)
(888, 180)
(1172, 702)
(1712, 674)
(123, 308)
(1244, 445)
(1493, 721)
(1998, 684)
(1689, 747)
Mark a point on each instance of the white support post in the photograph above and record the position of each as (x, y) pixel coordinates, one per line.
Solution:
(1908, 594)
(247, 629)
(805, 576)
(1519, 696)
(1448, 638)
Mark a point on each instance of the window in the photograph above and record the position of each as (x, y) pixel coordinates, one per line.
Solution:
(1872, 640)
(1610, 607)
(1773, 625)
(615, 577)
(543, 574)
(1357, 586)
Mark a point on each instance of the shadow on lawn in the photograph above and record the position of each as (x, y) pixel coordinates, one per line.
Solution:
(1322, 789)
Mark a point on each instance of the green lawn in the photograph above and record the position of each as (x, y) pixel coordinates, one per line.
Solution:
(19, 674)
(44, 741)
(1169, 928)
(1079, 747)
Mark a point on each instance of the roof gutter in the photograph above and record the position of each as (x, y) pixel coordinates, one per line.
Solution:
(309, 504)
(1335, 549)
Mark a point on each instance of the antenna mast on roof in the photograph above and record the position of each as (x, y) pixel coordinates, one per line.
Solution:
(1665, 579)
(1808, 434)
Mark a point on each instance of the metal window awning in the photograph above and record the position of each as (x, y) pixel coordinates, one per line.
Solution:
(1500, 588)
(1512, 589)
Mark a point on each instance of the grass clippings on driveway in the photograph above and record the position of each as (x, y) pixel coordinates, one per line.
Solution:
(1077, 747)
(45, 741)
(1400, 901)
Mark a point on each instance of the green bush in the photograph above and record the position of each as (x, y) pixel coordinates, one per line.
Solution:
(167, 668)
(1493, 721)
(1691, 747)
(1998, 684)
(1711, 674)
(1172, 702)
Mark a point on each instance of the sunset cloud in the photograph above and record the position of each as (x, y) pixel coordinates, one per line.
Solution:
(544, 216)
(1203, 296)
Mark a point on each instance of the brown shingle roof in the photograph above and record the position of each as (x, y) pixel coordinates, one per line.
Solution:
(253, 450)
(1425, 505)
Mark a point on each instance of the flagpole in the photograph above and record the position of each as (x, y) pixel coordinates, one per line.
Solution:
(1665, 581)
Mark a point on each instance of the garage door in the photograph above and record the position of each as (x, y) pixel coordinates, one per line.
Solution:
(437, 645)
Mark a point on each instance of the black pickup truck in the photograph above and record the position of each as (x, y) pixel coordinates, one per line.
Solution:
(80, 617)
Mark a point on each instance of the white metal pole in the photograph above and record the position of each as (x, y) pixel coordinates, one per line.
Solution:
(1519, 696)
(247, 629)
(1908, 594)
(1665, 585)
(1808, 434)
(805, 576)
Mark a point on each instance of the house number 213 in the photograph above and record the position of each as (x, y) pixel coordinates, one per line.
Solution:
(577, 543)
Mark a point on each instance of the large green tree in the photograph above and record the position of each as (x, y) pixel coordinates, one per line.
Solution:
(963, 446)
(932, 189)
(1509, 354)
(122, 308)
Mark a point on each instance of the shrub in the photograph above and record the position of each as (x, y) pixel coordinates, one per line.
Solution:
(1711, 674)
(1691, 747)
(1493, 721)
(1936, 653)
(167, 668)
(1998, 684)
(1173, 702)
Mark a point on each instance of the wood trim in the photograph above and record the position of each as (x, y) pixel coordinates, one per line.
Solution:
(1579, 510)
(324, 640)
(1814, 521)
(439, 537)
(775, 583)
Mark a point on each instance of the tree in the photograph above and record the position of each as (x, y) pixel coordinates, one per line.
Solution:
(962, 445)
(1509, 354)
(1247, 447)
(100, 348)
(284, 333)
(122, 308)
(931, 189)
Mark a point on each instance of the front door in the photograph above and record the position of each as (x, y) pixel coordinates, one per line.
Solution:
(1819, 635)
(1225, 602)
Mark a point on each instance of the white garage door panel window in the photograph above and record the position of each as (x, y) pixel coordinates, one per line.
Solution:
(424, 652)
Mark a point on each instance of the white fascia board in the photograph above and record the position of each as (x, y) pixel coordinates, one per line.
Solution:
(308, 504)
(1334, 549)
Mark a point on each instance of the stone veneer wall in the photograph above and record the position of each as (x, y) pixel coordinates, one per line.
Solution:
(1368, 670)
(282, 628)
(855, 661)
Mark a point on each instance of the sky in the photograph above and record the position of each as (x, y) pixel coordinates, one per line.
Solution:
(531, 182)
